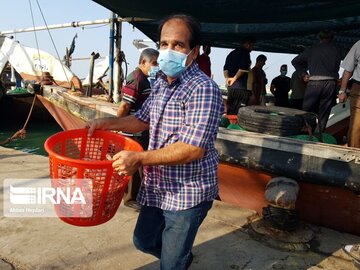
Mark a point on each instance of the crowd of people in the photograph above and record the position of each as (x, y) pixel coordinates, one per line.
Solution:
(314, 86)
(171, 105)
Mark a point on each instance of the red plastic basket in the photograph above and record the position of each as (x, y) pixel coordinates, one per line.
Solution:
(74, 156)
(232, 118)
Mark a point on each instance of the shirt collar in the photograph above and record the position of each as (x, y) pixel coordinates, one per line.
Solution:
(185, 76)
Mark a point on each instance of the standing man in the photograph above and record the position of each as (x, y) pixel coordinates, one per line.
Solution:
(298, 85)
(351, 66)
(134, 93)
(258, 81)
(183, 113)
(323, 62)
(280, 88)
(236, 71)
(204, 60)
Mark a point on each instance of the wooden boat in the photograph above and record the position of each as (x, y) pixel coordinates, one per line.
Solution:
(32, 64)
(328, 175)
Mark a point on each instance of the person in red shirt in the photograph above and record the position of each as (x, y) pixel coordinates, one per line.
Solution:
(204, 60)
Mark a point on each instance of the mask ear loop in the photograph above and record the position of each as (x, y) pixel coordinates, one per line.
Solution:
(187, 57)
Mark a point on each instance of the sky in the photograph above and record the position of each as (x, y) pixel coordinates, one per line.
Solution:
(96, 38)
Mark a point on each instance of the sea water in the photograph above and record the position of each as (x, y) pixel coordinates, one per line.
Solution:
(37, 132)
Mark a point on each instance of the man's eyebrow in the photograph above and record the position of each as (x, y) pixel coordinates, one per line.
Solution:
(179, 42)
(173, 41)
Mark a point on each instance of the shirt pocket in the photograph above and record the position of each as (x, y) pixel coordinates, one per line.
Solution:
(173, 116)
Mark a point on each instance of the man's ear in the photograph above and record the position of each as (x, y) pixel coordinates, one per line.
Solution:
(196, 52)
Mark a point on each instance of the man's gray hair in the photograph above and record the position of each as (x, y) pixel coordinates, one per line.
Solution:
(148, 54)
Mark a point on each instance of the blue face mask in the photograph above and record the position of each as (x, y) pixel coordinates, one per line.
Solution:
(153, 70)
(171, 62)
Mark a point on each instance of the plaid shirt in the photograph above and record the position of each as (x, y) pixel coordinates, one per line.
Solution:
(188, 110)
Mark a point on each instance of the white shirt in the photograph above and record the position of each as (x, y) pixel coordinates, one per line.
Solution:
(351, 62)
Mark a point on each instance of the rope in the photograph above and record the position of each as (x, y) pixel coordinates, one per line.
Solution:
(52, 40)
(281, 218)
(21, 133)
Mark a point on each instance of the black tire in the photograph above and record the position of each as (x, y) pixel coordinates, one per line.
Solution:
(275, 120)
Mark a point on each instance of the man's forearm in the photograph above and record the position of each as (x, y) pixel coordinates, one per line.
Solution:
(345, 79)
(127, 124)
(239, 73)
(124, 109)
(177, 153)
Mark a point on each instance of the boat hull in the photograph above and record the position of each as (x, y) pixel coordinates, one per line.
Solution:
(311, 162)
(324, 205)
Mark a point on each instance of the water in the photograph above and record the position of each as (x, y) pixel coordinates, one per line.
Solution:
(37, 132)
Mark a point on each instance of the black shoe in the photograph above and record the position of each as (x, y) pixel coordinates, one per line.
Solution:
(133, 204)
(189, 262)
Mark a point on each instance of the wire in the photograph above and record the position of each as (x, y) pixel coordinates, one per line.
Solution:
(36, 39)
(52, 40)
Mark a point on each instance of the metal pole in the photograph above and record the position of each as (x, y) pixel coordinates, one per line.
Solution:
(72, 24)
(56, 26)
(111, 57)
(118, 77)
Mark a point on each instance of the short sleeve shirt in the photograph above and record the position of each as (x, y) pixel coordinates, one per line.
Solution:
(351, 62)
(188, 110)
(136, 90)
(238, 59)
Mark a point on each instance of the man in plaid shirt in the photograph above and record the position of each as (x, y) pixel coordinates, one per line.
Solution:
(180, 167)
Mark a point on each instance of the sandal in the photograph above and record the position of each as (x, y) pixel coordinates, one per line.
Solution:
(353, 251)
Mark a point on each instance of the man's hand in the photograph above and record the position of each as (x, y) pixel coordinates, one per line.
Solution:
(230, 81)
(342, 97)
(96, 124)
(127, 162)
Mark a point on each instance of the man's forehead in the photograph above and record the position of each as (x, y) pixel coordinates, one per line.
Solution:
(175, 27)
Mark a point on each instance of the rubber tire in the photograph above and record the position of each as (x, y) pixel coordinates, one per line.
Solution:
(275, 120)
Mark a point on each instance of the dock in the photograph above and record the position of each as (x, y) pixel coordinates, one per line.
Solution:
(223, 241)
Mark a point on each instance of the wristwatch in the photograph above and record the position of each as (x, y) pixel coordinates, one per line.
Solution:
(342, 92)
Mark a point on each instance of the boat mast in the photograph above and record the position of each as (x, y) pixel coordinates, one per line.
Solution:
(111, 56)
(119, 77)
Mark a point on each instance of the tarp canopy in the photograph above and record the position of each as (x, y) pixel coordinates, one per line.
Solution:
(278, 25)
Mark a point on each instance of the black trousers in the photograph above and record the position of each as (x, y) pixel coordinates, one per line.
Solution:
(237, 98)
(320, 97)
(296, 103)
